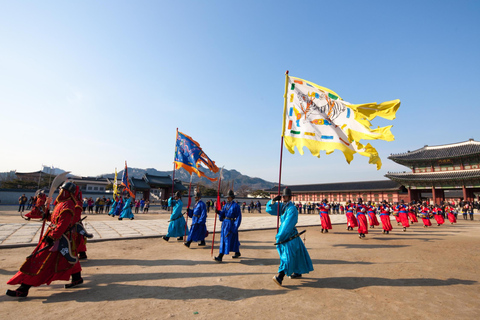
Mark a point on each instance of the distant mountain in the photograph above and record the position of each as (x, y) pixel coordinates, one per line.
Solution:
(229, 176)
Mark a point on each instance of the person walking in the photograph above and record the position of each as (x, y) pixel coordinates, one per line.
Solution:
(294, 258)
(231, 217)
(325, 221)
(127, 209)
(45, 265)
(362, 220)
(176, 226)
(198, 228)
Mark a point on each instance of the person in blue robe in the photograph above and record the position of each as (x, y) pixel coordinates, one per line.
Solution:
(114, 208)
(127, 209)
(198, 229)
(231, 217)
(294, 257)
(177, 225)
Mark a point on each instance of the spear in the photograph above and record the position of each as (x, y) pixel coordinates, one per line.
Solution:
(218, 207)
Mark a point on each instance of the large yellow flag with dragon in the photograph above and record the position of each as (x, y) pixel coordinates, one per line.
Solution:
(317, 118)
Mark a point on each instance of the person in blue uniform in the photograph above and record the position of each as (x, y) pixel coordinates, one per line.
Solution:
(176, 227)
(198, 229)
(127, 209)
(294, 257)
(231, 217)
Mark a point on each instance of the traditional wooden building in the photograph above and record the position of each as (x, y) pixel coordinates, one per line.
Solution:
(375, 191)
(438, 170)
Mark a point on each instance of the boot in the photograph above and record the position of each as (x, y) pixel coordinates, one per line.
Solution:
(180, 238)
(278, 279)
(165, 238)
(187, 244)
(202, 243)
(219, 258)
(82, 255)
(237, 255)
(21, 291)
(76, 280)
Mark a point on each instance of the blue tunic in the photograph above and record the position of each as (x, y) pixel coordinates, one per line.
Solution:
(127, 210)
(198, 229)
(112, 210)
(176, 227)
(294, 257)
(231, 217)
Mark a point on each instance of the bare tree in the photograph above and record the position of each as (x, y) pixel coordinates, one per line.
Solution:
(243, 190)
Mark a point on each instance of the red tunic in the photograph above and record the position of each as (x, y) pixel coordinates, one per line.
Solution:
(362, 220)
(425, 214)
(437, 214)
(38, 207)
(351, 219)
(385, 217)
(412, 215)
(372, 218)
(451, 215)
(403, 215)
(48, 266)
(324, 217)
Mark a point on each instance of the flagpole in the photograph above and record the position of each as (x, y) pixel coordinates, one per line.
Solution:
(218, 206)
(188, 207)
(281, 145)
(173, 178)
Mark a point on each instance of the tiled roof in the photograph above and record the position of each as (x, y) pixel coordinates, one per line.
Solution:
(139, 184)
(158, 181)
(454, 150)
(435, 176)
(344, 186)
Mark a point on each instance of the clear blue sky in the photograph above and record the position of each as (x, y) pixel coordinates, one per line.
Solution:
(85, 86)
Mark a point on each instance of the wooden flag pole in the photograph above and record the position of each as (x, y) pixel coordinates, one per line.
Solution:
(281, 146)
(173, 178)
(218, 207)
(188, 207)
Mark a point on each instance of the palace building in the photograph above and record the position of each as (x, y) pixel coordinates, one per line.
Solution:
(437, 172)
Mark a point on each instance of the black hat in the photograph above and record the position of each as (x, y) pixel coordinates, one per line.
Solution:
(198, 194)
(359, 200)
(287, 192)
(69, 186)
(178, 194)
(231, 194)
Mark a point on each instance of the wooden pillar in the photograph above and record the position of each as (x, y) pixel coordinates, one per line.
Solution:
(434, 195)
(464, 193)
(410, 196)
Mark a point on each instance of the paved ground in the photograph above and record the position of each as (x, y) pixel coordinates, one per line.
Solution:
(17, 232)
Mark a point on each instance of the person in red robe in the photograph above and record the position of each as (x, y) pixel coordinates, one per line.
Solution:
(38, 206)
(451, 214)
(403, 215)
(412, 213)
(324, 207)
(438, 215)
(48, 262)
(371, 214)
(362, 220)
(426, 215)
(385, 217)
(350, 214)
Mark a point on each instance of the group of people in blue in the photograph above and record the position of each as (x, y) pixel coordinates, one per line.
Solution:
(122, 209)
(294, 258)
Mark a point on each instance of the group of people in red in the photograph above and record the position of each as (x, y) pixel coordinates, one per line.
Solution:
(57, 255)
(363, 216)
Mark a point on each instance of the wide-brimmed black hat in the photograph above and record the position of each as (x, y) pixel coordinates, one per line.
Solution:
(231, 194)
(287, 192)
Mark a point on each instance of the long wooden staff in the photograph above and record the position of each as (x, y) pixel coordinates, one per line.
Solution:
(218, 207)
(188, 207)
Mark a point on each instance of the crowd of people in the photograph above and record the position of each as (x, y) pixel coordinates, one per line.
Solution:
(63, 245)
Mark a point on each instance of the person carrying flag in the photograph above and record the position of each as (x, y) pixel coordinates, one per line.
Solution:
(176, 227)
(294, 257)
(127, 209)
(198, 229)
(231, 217)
